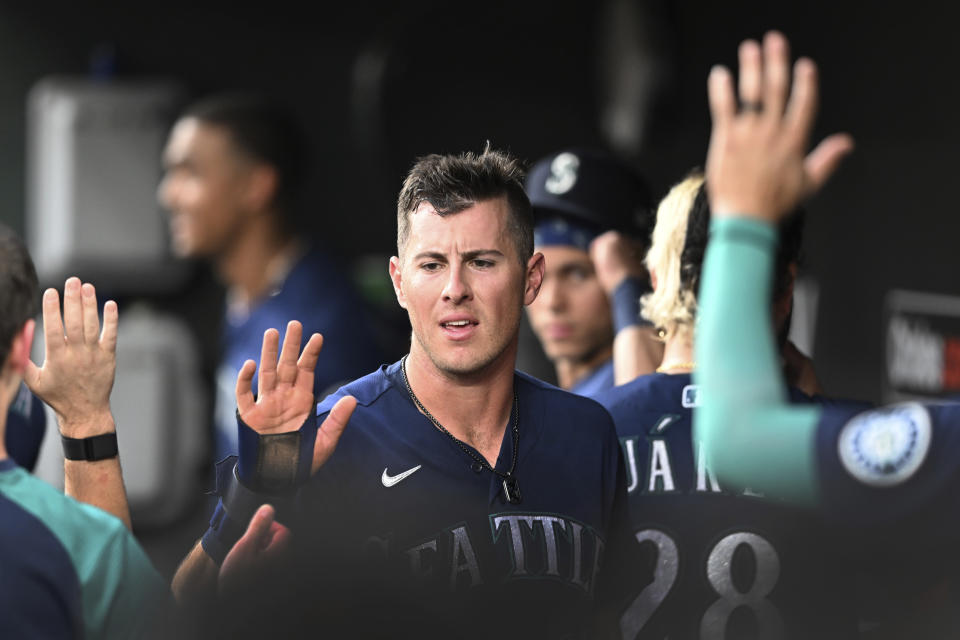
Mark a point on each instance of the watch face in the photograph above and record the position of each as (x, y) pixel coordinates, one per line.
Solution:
(885, 447)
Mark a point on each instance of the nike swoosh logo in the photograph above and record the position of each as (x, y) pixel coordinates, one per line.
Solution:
(389, 481)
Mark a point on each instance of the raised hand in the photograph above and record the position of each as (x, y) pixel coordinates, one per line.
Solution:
(80, 360)
(757, 165)
(285, 391)
(616, 257)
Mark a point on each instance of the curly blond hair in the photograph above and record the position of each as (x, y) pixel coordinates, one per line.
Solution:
(671, 307)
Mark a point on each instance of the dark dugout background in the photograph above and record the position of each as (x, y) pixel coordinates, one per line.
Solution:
(379, 83)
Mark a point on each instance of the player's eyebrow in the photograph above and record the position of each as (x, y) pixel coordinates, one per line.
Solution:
(476, 253)
(466, 255)
(433, 255)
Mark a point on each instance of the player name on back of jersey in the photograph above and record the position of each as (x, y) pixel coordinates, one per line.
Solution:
(657, 475)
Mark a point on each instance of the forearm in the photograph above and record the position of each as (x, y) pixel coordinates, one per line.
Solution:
(753, 438)
(636, 349)
(636, 352)
(196, 579)
(96, 482)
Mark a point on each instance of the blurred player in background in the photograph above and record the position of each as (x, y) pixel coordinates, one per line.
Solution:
(587, 313)
(234, 171)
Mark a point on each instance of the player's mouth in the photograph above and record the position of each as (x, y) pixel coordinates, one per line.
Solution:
(558, 331)
(458, 328)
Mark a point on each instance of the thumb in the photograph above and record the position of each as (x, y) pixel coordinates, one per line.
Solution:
(328, 435)
(823, 161)
(31, 376)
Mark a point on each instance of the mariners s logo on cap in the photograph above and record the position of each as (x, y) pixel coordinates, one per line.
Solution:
(563, 173)
(885, 447)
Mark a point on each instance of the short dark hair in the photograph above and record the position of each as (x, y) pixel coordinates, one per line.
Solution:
(695, 244)
(264, 131)
(19, 289)
(452, 183)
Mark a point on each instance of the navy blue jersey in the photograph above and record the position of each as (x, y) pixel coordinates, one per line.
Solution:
(71, 570)
(415, 525)
(317, 294)
(889, 481)
(26, 424)
(890, 467)
(727, 565)
(596, 382)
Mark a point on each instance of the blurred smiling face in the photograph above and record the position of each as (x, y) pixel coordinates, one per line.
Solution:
(463, 286)
(571, 316)
(202, 188)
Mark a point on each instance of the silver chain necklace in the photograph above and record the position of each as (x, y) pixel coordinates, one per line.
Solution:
(511, 491)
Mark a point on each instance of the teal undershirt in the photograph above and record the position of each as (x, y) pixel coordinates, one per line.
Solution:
(752, 437)
(122, 594)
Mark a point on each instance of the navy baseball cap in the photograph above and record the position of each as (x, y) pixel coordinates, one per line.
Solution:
(590, 188)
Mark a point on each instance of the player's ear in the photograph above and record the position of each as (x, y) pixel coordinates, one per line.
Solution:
(261, 187)
(534, 278)
(653, 278)
(396, 277)
(20, 348)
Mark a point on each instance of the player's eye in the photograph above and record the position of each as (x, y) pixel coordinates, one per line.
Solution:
(431, 266)
(577, 274)
(482, 264)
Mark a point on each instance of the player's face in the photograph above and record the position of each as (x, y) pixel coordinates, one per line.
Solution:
(462, 284)
(571, 316)
(202, 188)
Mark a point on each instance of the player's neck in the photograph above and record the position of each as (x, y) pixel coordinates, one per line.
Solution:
(476, 407)
(678, 350)
(8, 391)
(570, 371)
(246, 265)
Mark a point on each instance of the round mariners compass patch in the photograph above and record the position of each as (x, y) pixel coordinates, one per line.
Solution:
(885, 447)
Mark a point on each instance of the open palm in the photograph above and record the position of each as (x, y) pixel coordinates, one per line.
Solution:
(285, 399)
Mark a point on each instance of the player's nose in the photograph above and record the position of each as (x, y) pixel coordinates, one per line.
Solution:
(167, 192)
(456, 289)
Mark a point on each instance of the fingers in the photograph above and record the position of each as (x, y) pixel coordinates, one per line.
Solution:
(802, 108)
(52, 323)
(750, 72)
(287, 365)
(268, 361)
(111, 318)
(776, 74)
(330, 431)
(258, 531)
(277, 540)
(824, 160)
(723, 105)
(244, 389)
(89, 314)
(72, 310)
(311, 353)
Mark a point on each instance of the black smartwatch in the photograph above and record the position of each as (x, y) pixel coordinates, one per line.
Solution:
(93, 448)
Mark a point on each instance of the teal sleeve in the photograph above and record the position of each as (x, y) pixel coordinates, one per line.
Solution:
(122, 594)
(752, 437)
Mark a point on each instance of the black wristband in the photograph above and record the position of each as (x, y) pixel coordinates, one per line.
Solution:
(625, 303)
(93, 448)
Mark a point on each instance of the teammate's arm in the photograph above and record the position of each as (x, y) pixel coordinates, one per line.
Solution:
(636, 349)
(284, 403)
(75, 380)
(756, 173)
